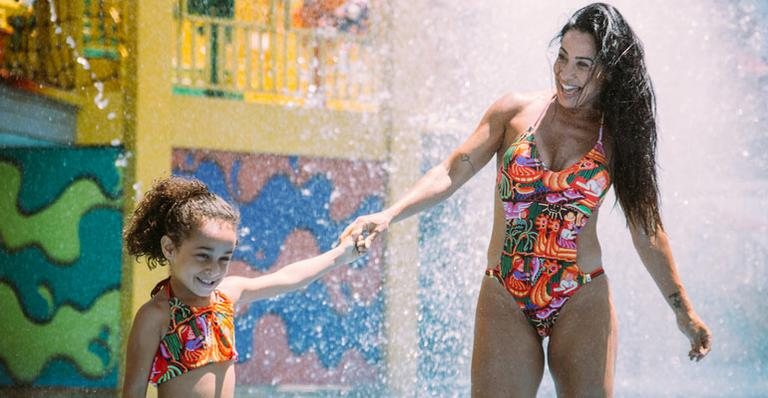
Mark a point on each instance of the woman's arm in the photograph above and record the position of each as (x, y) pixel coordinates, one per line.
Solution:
(291, 277)
(143, 341)
(443, 180)
(656, 254)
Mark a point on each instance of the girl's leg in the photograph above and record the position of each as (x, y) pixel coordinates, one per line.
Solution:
(582, 346)
(507, 358)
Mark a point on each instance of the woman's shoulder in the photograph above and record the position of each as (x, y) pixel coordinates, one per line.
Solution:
(512, 104)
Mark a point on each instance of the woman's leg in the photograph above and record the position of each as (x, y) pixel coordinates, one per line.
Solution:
(507, 358)
(582, 345)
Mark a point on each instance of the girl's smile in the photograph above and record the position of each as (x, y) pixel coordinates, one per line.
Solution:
(201, 261)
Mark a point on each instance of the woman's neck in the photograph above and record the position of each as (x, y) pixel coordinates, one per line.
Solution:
(582, 117)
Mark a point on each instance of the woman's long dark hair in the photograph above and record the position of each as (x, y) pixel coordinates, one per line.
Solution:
(628, 103)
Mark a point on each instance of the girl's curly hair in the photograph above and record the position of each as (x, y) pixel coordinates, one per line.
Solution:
(175, 207)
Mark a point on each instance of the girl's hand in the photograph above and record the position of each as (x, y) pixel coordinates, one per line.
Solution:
(698, 333)
(367, 227)
(353, 247)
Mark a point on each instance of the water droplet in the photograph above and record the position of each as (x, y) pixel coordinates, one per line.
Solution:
(84, 62)
(121, 161)
(100, 101)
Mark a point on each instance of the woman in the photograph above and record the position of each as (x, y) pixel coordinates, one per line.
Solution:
(557, 154)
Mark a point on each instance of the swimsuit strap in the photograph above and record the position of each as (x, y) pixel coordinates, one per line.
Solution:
(541, 115)
(160, 285)
(592, 275)
(600, 132)
(170, 289)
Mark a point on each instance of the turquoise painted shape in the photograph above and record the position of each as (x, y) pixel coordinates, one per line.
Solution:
(46, 172)
(44, 287)
(97, 270)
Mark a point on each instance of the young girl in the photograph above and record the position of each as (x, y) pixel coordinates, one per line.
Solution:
(182, 339)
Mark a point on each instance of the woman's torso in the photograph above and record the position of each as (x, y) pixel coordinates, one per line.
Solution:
(562, 146)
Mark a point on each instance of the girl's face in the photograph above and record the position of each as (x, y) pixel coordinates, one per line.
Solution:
(577, 76)
(201, 261)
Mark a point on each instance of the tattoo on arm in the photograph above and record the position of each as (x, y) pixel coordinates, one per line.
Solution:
(676, 300)
(465, 158)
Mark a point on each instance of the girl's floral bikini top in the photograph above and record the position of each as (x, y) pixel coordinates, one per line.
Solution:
(196, 336)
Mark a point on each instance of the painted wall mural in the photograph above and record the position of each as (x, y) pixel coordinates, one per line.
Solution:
(60, 266)
(330, 333)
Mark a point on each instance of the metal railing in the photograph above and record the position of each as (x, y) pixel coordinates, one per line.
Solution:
(101, 29)
(261, 55)
(53, 38)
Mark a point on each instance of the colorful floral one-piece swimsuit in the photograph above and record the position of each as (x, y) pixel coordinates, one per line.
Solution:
(544, 211)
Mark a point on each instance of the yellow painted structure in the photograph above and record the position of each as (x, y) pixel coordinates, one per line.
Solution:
(140, 111)
(158, 120)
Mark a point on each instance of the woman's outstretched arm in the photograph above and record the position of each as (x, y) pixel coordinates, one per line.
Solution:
(656, 254)
(443, 180)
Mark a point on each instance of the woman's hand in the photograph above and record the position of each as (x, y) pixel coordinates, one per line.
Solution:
(366, 228)
(656, 254)
(698, 333)
(353, 247)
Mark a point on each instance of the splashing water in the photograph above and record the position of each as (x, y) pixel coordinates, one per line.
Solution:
(99, 99)
(451, 59)
(708, 64)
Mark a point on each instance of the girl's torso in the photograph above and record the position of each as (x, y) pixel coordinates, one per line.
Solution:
(558, 147)
(197, 355)
(212, 380)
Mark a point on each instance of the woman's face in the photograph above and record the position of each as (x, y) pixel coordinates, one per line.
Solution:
(577, 76)
(201, 261)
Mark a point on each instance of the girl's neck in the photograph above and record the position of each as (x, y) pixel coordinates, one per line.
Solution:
(187, 296)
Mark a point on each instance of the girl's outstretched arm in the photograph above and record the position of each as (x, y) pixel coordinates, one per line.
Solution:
(291, 277)
(143, 341)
